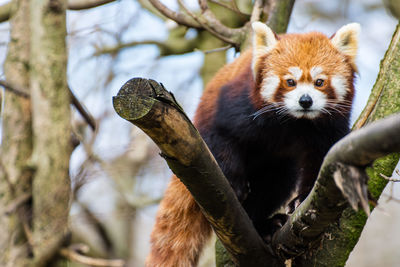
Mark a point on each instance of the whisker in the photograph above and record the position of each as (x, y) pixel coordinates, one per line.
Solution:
(267, 108)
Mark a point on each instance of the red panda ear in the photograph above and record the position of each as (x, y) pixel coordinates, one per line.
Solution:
(264, 39)
(346, 40)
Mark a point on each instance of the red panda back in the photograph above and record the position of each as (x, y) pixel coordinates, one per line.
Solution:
(207, 106)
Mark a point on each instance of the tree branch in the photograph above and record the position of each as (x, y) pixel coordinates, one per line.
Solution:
(149, 106)
(209, 22)
(72, 255)
(178, 17)
(13, 89)
(257, 11)
(86, 4)
(345, 163)
(232, 7)
(388, 68)
(74, 101)
(5, 10)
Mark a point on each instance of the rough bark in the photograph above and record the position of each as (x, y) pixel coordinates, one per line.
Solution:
(51, 127)
(341, 184)
(16, 146)
(149, 106)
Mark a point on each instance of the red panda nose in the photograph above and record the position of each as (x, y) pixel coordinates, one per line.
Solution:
(305, 101)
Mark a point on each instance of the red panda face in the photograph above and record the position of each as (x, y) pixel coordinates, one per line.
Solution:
(305, 75)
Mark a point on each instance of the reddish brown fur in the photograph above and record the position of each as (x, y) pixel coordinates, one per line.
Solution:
(180, 230)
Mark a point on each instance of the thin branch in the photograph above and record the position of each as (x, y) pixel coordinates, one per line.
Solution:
(5, 9)
(209, 22)
(83, 111)
(257, 10)
(86, 4)
(390, 179)
(11, 88)
(20, 200)
(233, 7)
(72, 255)
(118, 47)
(219, 49)
(178, 17)
(74, 101)
(328, 198)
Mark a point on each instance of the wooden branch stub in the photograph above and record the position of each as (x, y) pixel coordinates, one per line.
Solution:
(149, 106)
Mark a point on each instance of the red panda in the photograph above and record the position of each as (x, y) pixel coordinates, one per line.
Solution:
(269, 118)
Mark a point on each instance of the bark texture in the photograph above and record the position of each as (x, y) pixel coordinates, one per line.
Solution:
(16, 146)
(51, 128)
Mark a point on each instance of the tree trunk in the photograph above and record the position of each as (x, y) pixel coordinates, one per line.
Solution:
(51, 128)
(16, 147)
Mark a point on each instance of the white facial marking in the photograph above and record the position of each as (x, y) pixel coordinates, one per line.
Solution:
(315, 71)
(339, 84)
(269, 86)
(292, 101)
(296, 72)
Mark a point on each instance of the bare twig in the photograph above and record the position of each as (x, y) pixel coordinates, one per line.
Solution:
(22, 199)
(79, 258)
(232, 7)
(82, 110)
(257, 10)
(74, 101)
(219, 49)
(11, 88)
(117, 48)
(27, 230)
(178, 17)
(5, 10)
(86, 4)
(390, 179)
(209, 22)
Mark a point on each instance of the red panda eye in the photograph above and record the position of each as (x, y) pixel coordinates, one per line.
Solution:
(319, 82)
(290, 82)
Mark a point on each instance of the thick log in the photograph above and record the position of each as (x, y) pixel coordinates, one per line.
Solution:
(146, 104)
